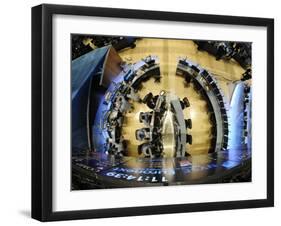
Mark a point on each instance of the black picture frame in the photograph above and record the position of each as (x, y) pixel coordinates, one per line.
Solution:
(42, 111)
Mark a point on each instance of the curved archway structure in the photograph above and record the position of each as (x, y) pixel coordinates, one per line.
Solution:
(207, 86)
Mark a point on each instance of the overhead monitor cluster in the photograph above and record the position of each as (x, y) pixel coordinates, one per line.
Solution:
(164, 125)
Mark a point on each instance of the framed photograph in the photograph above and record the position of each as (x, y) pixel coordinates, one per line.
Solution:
(147, 112)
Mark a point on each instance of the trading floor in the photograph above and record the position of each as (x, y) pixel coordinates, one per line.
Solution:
(153, 112)
(168, 51)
